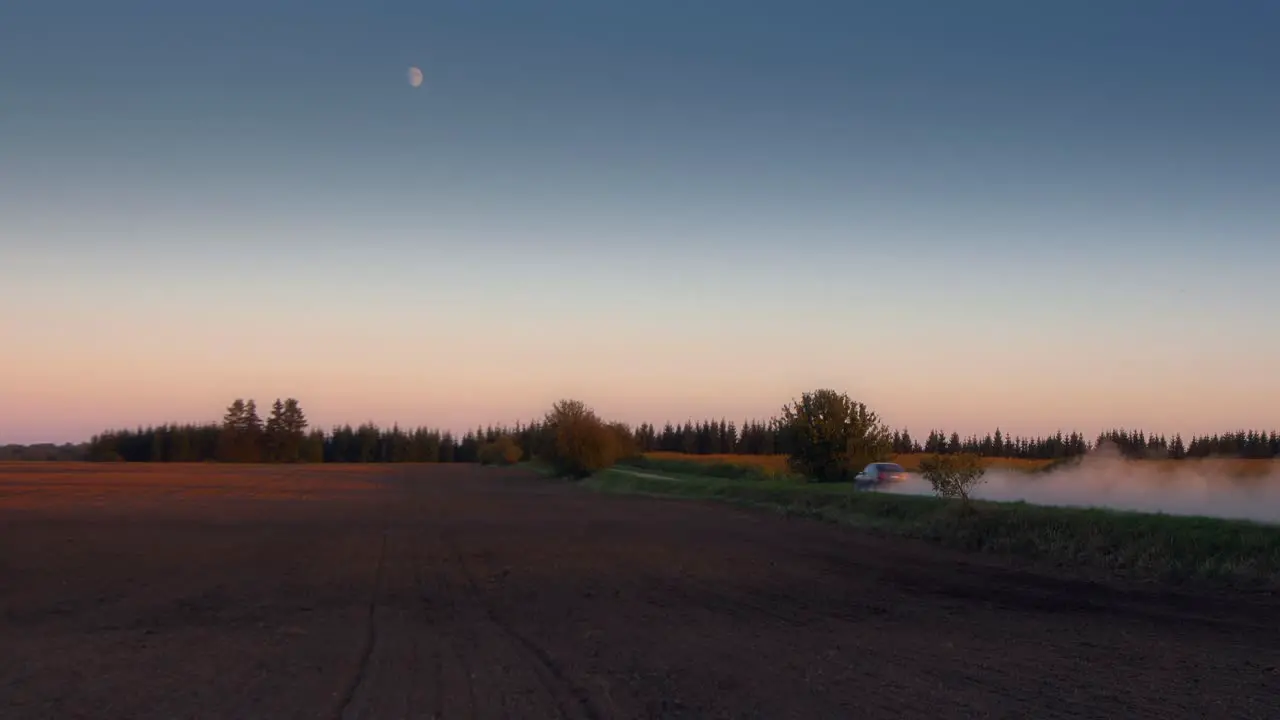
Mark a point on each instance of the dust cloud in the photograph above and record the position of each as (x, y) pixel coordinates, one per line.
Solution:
(1248, 490)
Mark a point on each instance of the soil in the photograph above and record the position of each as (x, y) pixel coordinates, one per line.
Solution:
(215, 591)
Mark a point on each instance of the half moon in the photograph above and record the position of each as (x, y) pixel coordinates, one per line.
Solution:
(415, 76)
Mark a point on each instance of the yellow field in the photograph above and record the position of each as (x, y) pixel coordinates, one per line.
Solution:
(772, 463)
(778, 463)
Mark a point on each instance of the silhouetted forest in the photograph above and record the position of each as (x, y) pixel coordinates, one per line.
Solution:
(1254, 444)
(44, 451)
(769, 437)
(243, 436)
(284, 435)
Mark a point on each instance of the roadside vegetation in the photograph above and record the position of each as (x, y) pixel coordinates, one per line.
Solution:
(574, 441)
(1140, 546)
(953, 476)
(502, 451)
(834, 436)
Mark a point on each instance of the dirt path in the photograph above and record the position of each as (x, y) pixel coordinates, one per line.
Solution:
(459, 592)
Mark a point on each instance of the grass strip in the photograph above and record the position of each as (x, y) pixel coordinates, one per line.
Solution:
(1143, 546)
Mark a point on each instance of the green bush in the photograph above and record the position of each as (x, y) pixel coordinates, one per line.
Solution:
(503, 451)
(953, 476)
(833, 436)
(625, 446)
(577, 443)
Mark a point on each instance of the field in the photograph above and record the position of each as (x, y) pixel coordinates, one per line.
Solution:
(458, 591)
(777, 464)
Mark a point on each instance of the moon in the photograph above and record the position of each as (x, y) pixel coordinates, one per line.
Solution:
(415, 76)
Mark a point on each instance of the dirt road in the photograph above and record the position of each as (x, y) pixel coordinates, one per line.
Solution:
(460, 592)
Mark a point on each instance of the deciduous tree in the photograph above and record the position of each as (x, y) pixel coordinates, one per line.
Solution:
(833, 436)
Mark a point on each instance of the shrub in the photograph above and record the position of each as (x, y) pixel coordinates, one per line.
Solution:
(832, 436)
(576, 442)
(503, 451)
(953, 476)
(625, 446)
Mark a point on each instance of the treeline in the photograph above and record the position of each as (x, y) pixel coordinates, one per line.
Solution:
(284, 436)
(711, 437)
(1248, 444)
(997, 444)
(366, 443)
(243, 436)
(753, 437)
(44, 451)
(770, 437)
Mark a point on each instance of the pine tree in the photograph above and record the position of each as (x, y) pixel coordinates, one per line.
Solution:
(689, 439)
(156, 453)
(294, 427)
(313, 447)
(229, 439)
(251, 433)
(274, 440)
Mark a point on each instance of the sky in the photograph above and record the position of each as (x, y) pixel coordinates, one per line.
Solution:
(1037, 216)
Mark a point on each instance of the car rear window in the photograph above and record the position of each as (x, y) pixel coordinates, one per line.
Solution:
(890, 467)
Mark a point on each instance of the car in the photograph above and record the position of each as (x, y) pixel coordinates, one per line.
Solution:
(880, 473)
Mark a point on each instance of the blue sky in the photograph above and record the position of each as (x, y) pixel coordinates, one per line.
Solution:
(1041, 215)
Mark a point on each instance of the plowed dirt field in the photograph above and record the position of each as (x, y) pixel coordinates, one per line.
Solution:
(211, 591)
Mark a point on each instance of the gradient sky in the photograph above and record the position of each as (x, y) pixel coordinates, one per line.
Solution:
(1039, 215)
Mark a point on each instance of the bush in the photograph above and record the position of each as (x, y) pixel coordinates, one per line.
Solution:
(625, 446)
(503, 451)
(953, 476)
(577, 443)
(832, 436)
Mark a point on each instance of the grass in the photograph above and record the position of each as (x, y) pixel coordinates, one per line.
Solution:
(1140, 546)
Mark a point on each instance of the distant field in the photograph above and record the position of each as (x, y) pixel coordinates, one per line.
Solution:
(49, 485)
(912, 462)
(769, 463)
(777, 464)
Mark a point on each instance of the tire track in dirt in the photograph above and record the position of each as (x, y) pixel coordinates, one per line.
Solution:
(416, 662)
(475, 646)
(371, 633)
(571, 700)
(451, 671)
(431, 619)
(468, 672)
